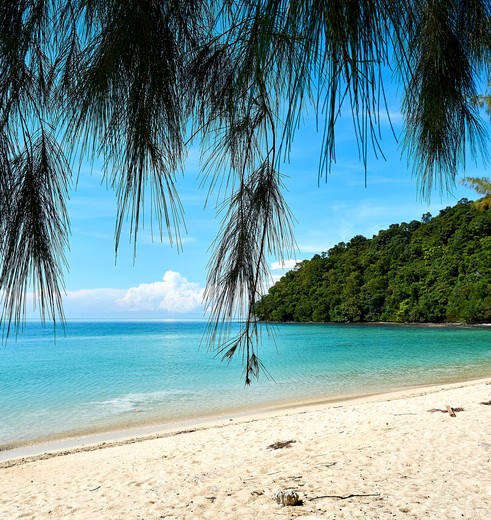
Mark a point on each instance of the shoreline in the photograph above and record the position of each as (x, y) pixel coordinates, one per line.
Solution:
(110, 412)
(34, 450)
(385, 457)
(455, 324)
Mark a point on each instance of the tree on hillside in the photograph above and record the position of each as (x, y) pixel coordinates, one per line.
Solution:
(137, 82)
(438, 270)
(482, 185)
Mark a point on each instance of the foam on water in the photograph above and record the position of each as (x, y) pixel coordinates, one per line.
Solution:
(115, 375)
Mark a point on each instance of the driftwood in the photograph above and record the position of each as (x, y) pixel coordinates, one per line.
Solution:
(486, 402)
(329, 465)
(449, 410)
(281, 444)
(344, 498)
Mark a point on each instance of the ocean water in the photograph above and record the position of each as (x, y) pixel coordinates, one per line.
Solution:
(114, 375)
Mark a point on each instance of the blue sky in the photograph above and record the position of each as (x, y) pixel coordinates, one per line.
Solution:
(163, 282)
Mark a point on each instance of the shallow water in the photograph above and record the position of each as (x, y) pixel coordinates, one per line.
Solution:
(112, 375)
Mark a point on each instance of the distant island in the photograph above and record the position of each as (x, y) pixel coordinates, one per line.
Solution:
(434, 270)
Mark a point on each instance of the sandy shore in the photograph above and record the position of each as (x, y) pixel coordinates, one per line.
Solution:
(380, 457)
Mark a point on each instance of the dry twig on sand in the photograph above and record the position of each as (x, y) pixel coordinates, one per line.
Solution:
(281, 444)
(344, 498)
(447, 410)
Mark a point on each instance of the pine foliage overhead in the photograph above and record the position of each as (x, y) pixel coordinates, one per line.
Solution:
(137, 82)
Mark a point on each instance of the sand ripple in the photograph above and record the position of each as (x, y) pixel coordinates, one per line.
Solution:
(386, 458)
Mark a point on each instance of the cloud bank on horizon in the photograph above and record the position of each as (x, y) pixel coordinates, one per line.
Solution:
(285, 264)
(172, 297)
(173, 294)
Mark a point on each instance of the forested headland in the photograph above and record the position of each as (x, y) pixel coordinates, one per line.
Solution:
(434, 270)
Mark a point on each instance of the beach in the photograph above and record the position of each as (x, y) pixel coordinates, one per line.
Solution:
(384, 456)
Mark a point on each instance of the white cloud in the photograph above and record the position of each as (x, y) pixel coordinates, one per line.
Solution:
(174, 294)
(146, 237)
(393, 117)
(93, 297)
(285, 264)
(172, 297)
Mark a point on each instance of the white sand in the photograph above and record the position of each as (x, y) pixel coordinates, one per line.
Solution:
(396, 458)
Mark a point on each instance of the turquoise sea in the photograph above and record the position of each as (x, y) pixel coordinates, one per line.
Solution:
(115, 375)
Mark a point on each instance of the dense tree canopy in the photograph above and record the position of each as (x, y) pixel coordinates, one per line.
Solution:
(432, 271)
(137, 82)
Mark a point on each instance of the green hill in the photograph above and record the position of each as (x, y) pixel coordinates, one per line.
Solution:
(435, 270)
